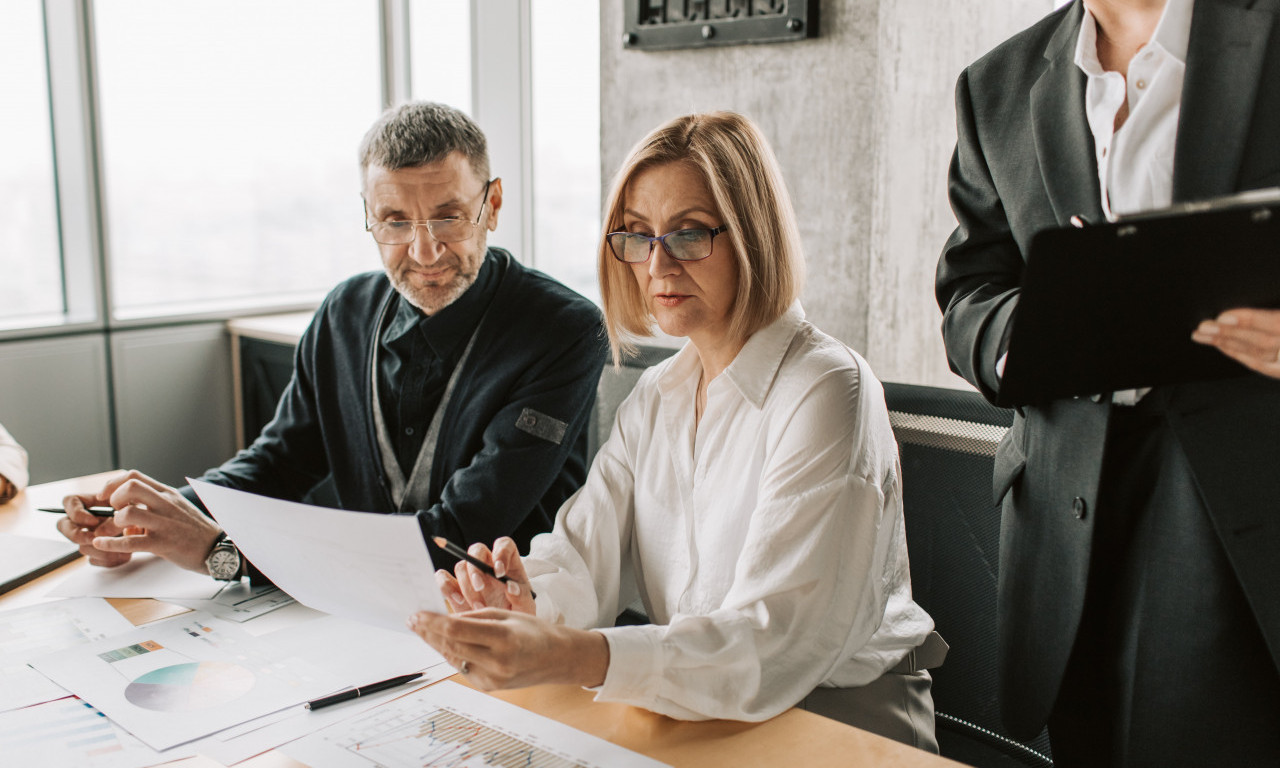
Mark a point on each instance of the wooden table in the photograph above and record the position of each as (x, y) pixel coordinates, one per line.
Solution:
(795, 737)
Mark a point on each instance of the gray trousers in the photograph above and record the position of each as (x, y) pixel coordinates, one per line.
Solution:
(897, 706)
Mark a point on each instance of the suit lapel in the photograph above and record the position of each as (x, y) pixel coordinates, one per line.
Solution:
(1060, 130)
(1228, 43)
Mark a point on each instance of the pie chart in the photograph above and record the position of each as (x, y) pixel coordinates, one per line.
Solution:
(189, 687)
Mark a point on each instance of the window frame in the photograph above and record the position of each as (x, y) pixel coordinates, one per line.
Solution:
(501, 89)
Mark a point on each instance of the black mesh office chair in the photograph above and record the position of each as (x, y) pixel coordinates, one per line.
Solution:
(947, 440)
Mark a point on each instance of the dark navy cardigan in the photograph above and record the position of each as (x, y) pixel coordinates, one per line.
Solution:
(497, 472)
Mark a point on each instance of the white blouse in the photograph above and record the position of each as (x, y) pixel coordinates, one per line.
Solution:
(767, 545)
(13, 460)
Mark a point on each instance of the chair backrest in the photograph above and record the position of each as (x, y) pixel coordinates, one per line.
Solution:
(615, 384)
(947, 440)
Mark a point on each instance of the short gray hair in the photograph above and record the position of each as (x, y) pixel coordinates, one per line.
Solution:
(420, 133)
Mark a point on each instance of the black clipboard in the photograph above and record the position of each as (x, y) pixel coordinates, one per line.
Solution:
(1112, 306)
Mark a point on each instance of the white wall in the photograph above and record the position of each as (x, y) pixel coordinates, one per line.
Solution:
(863, 123)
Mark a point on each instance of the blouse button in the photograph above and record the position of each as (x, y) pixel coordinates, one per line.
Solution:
(408, 430)
(1141, 84)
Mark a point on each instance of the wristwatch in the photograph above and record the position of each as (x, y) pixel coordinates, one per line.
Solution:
(224, 561)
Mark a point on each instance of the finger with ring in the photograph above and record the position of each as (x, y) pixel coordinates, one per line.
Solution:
(465, 668)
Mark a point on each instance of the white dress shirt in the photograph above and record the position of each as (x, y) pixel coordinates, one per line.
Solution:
(1135, 163)
(13, 460)
(767, 544)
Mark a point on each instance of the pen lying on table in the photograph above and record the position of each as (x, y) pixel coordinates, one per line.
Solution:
(356, 693)
(95, 511)
(461, 554)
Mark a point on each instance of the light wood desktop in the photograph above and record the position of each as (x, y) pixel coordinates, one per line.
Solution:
(795, 737)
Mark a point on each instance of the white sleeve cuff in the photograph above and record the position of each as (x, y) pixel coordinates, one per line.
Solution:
(635, 663)
(13, 465)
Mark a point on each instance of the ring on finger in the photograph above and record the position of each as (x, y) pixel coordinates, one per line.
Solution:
(465, 668)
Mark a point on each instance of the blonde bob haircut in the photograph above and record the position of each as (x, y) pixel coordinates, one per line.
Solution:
(751, 198)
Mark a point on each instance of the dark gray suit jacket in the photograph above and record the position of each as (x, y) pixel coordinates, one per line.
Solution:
(1023, 163)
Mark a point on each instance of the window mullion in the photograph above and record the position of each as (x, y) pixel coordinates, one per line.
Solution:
(72, 99)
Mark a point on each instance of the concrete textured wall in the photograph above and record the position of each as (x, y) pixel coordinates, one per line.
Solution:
(863, 123)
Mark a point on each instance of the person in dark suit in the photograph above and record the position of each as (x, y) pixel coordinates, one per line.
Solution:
(455, 384)
(1139, 601)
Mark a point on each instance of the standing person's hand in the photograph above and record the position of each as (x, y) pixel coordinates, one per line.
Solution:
(150, 517)
(1251, 337)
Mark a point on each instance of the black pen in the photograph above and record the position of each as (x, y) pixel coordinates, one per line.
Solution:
(356, 693)
(95, 511)
(461, 554)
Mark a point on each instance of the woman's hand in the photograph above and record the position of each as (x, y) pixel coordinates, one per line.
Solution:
(504, 649)
(1251, 337)
(469, 588)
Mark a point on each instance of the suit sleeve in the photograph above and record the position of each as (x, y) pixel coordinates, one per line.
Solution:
(530, 443)
(981, 266)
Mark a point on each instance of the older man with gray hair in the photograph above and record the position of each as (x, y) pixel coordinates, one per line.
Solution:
(455, 384)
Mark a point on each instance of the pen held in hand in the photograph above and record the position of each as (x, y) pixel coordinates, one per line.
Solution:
(356, 693)
(461, 554)
(95, 511)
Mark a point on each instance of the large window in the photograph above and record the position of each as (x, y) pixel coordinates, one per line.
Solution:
(166, 161)
(30, 256)
(229, 131)
(566, 140)
(440, 51)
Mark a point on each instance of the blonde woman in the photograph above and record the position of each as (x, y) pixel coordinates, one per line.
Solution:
(749, 491)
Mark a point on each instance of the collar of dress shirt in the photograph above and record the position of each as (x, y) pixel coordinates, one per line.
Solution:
(448, 329)
(753, 371)
(1172, 35)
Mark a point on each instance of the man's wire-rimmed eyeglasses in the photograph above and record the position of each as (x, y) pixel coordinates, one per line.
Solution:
(403, 231)
(681, 245)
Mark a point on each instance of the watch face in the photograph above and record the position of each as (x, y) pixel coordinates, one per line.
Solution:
(224, 564)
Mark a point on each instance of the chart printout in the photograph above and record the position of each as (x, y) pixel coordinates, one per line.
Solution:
(452, 726)
(186, 677)
(69, 732)
(36, 630)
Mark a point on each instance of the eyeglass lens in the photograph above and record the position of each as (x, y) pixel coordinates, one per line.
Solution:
(443, 230)
(682, 245)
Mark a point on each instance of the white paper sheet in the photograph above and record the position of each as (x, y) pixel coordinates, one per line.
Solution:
(240, 602)
(356, 652)
(68, 732)
(36, 630)
(145, 575)
(451, 725)
(186, 677)
(357, 565)
(269, 732)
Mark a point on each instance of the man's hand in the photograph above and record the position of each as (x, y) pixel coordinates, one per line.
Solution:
(1249, 336)
(505, 649)
(150, 517)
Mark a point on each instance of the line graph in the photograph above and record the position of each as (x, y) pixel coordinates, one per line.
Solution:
(450, 726)
(444, 739)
